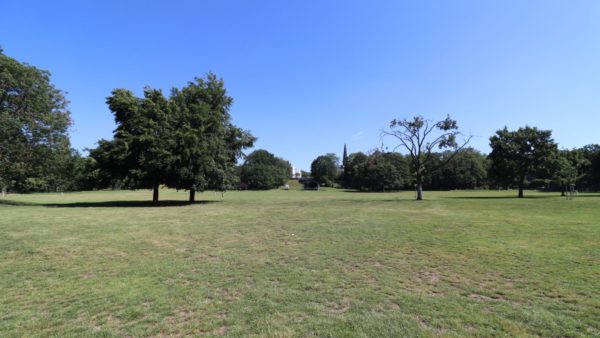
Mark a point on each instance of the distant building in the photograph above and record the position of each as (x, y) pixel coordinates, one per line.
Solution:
(296, 172)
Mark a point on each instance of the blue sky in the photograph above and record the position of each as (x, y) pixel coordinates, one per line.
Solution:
(309, 76)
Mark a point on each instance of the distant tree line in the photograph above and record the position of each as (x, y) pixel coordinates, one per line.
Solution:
(469, 169)
(186, 141)
(521, 159)
(390, 171)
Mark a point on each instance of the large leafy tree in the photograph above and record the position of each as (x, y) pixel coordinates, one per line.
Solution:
(378, 171)
(591, 178)
(141, 150)
(383, 172)
(354, 170)
(34, 123)
(569, 168)
(466, 170)
(263, 170)
(83, 173)
(186, 141)
(419, 138)
(520, 155)
(325, 169)
(207, 145)
(107, 167)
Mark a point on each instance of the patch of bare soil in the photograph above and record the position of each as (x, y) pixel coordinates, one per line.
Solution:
(339, 308)
(222, 330)
(429, 277)
(478, 296)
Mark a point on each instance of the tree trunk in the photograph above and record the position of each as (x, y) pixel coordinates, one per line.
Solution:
(564, 191)
(192, 195)
(419, 189)
(155, 194)
(521, 189)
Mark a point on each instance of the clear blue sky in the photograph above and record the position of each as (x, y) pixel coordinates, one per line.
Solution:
(309, 76)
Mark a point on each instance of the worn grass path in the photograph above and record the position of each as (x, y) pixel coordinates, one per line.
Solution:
(293, 263)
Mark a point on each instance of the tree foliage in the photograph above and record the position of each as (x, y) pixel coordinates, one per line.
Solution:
(262, 170)
(570, 167)
(466, 169)
(207, 144)
(140, 153)
(518, 155)
(186, 141)
(324, 169)
(354, 170)
(382, 172)
(34, 123)
(591, 176)
(378, 171)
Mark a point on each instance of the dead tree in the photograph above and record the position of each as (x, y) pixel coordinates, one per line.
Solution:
(420, 137)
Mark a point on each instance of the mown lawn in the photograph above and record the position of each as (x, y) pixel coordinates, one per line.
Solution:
(294, 263)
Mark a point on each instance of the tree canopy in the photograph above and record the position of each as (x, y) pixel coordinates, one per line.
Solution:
(34, 124)
(569, 168)
(263, 170)
(141, 150)
(382, 172)
(207, 145)
(186, 141)
(353, 170)
(467, 169)
(324, 169)
(521, 154)
(591, 178)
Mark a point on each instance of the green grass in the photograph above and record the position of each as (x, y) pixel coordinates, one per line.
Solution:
(293, 263)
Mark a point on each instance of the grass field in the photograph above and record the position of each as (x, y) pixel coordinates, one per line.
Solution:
(293, 263)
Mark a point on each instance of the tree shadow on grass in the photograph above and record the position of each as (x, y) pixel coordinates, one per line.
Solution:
(479, 197)
(106, 204)
(586, 195)
(506, 197)
(372, 201)
(375, 191)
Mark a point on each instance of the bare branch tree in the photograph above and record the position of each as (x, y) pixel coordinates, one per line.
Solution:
(420, 137)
